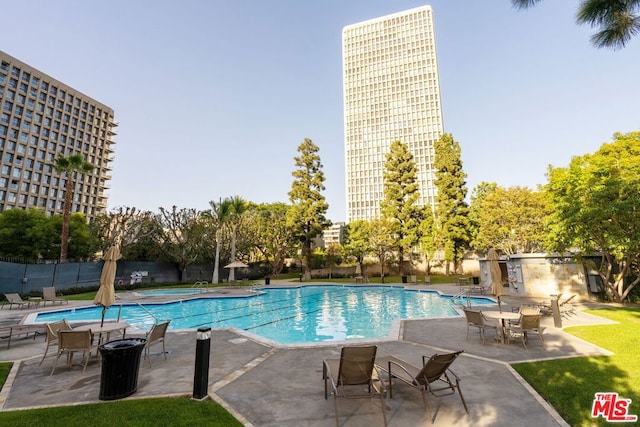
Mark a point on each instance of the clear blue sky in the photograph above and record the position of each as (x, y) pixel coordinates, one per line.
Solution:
(213, 97)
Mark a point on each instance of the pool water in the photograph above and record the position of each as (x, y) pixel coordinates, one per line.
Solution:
(305, 314)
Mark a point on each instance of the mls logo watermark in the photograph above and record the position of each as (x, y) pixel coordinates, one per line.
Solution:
(612, 408)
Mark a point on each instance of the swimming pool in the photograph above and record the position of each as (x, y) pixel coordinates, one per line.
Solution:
(305, 314)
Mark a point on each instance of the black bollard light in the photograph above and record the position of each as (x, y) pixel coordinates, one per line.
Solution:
(201, 375)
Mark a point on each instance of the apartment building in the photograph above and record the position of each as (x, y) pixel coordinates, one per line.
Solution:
(40, 119)
(391, 92)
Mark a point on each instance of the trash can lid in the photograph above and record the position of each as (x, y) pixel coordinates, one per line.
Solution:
(123, 344)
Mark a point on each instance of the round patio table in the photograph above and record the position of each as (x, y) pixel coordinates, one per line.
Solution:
(500, 317)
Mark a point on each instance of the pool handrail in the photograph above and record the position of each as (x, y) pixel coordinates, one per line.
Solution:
(199, 284)
(155, 319)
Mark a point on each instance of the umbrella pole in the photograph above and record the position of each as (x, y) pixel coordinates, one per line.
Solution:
(119, 311)
(104, 311)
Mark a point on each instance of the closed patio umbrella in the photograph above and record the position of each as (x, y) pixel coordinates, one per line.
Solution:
(496, 276)
(106, 295)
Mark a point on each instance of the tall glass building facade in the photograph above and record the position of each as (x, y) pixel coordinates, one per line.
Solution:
(391, 92)
(40, 119)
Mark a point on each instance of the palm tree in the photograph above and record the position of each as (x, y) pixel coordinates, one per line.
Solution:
(618, 20)
(221, 213)
(238, 207)
(70, 167)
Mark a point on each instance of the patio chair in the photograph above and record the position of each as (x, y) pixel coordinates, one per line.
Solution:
(70, 342)
(15, 299)
(566, 307)
(525, 309)
(155, 336)
(52, 334)
(347, 375)
(475, 319)
(528, 324)
(434, 377)
(49, 294)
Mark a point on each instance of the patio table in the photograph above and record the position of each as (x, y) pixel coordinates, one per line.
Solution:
(500, 317)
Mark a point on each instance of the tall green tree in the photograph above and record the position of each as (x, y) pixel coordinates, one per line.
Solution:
(357, 241)
(33, 235)
(400, 198)
(69, 167)
(452, 212)
(239, 207)
(183, 236)
(478, 194)
(27, 234)
(82, 243)
(220, 213)
(618, 20)
(512, 220)
(427, 243)
(382, 242)
(270, 235)
(595, 205)
(309, 207)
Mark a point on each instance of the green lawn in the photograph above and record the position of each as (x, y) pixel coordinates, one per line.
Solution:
(179, 411)
(570, 384)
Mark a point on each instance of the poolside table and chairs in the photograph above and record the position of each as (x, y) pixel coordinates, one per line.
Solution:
(103, 331)
(501, 317)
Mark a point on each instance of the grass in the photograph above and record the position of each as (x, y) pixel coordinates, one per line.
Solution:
(178, 411)
(570, 384)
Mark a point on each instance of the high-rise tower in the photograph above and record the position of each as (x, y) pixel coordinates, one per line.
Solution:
(391, 92)
(40, 119)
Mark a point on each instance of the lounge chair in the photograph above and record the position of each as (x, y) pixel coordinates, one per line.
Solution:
(155, 336)
(15, 299)
(52, 334)
(475, 319)
(528, 324)
(49, 294)
(10, 331)
(347, 375)
(434, 377)
(70, 342)
(565, 306)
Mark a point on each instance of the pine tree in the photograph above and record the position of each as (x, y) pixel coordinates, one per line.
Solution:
(452, 212)
(307, 215)
(400, 198)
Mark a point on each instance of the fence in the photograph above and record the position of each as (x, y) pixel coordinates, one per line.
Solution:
(27, 278)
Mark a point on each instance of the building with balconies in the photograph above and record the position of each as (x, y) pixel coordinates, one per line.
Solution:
(42, 118)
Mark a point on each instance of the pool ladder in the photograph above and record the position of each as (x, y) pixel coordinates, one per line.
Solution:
(460, 295)
(199, 285)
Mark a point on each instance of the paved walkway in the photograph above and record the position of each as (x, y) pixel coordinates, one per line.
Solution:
(267, 385)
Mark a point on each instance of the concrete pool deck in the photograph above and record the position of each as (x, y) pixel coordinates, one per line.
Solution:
(264, 384)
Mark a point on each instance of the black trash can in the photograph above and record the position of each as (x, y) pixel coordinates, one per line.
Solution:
(404, 279)
(120, 365)
(476, 280)
(267, 280)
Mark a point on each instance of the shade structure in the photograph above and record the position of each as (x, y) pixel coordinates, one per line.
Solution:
(106, 295)
(496, 276)
(236, 264)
